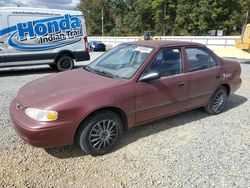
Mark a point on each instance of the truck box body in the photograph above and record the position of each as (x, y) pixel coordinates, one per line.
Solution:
(30, 36)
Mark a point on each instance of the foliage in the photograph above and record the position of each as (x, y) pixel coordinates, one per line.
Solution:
(164, 17)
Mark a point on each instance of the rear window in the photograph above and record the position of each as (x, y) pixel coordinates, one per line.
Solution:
(199, 59)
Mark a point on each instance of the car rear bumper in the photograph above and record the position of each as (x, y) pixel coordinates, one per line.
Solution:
(41, 134)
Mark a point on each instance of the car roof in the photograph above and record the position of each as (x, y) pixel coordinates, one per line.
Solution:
(164, 43)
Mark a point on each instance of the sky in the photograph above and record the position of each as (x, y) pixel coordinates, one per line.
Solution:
(56, 4)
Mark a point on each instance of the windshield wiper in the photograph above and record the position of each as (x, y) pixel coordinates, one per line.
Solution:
(105, 73)
(100, 72)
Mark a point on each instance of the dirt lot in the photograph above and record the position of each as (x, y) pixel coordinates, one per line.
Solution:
(192, 149)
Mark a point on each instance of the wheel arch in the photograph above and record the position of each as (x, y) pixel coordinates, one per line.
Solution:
(228, 88)
(63, 53)
(116, 110)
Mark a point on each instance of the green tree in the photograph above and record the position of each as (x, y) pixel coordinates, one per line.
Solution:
(164, 13)
(165, 17)
(143, 16)
(93, 13)
(119, 10)
(197, 17)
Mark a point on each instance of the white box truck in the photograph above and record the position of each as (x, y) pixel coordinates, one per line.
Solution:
(35, 36)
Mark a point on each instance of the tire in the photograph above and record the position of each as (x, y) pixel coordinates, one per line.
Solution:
(99, 133)
(216, 104)
(65, 63)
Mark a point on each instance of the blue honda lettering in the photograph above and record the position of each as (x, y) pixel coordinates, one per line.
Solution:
(53, 27)
(45, 33)
(64, 23)
(24, 29)
(76, 23)
(40, 29)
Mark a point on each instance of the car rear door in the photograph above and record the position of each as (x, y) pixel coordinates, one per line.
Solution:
(166, 95)
(204, 76)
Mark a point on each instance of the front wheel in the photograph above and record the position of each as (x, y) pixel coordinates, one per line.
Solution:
(216, 104)
(100, 133)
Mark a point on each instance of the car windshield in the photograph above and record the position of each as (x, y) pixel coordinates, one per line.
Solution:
(120, 62)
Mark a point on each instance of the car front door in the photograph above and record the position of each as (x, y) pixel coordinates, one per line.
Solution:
(166, 95)
(204, 76)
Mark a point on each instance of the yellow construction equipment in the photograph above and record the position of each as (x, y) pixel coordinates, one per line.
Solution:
(244, 42)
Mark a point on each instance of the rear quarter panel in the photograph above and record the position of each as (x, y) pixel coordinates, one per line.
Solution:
(231, 74)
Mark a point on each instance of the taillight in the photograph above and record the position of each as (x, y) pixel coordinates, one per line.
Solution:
(86, 43)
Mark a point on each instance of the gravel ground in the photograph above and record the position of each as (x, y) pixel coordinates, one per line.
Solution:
(192, 149)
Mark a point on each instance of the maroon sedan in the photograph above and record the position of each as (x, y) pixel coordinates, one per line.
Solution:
(132, 84)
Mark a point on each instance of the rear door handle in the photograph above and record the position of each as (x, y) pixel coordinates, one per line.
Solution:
(1, 42)
(182, 84)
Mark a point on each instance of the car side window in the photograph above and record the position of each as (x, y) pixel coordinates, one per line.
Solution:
(199, 59)
(168, 62)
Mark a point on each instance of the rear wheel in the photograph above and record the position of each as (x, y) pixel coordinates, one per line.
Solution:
(65, 63)
(100, 133)
(216, 104)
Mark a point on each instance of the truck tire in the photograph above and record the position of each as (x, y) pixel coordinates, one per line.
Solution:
(65, 63)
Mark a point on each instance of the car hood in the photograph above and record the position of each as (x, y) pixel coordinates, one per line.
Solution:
(64, 86)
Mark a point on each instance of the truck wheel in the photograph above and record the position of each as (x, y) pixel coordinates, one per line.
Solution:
(100, 133)
(216, 104)
(65, 63)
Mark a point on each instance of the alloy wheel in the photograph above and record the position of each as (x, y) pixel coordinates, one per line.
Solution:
(103, 135)
(219, 101)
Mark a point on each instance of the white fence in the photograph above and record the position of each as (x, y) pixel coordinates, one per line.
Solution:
(211, 42)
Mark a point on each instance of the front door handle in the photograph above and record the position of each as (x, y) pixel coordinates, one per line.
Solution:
(182, 84)
(217, 76)
(1, 42)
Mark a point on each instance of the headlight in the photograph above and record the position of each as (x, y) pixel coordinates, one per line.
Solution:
(93, 46)
(41, 115)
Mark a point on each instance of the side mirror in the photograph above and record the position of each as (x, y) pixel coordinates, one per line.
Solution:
(150, 76)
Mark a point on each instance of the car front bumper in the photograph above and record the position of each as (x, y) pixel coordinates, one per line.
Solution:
(41, 134)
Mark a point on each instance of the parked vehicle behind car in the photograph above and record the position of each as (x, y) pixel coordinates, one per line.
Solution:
(35, 36)
(130, 85)
(97, 46)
